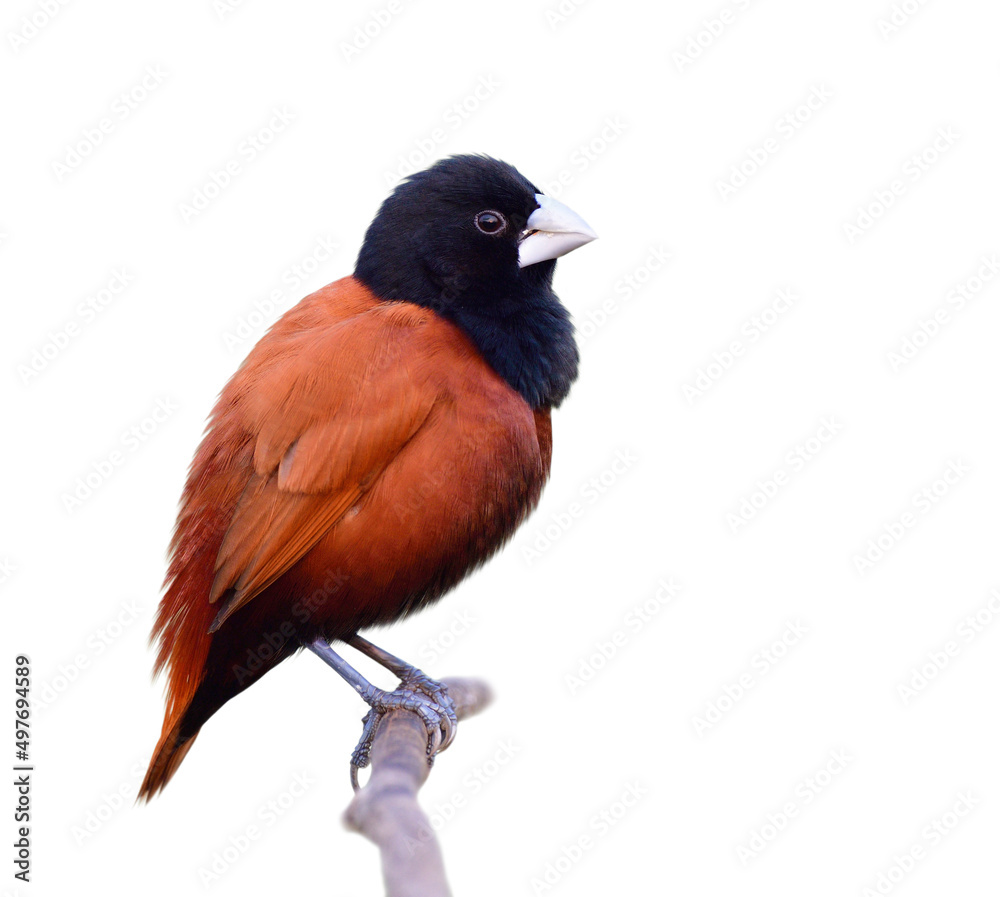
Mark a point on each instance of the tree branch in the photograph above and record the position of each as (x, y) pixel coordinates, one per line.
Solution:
(386, 811)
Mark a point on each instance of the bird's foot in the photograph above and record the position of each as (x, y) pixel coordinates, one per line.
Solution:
(419, 694)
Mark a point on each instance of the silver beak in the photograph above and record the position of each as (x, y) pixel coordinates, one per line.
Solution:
(552, 230)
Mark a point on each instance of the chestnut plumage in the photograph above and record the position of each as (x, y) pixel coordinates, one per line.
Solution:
(386, 436)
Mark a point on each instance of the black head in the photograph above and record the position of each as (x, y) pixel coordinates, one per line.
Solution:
(453, 238)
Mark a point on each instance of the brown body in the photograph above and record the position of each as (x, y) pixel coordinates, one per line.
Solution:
(363, 459)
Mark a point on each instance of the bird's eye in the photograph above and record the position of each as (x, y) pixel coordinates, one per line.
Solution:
(491, 222)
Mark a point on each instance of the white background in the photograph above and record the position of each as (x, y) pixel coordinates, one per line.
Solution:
(643, 138)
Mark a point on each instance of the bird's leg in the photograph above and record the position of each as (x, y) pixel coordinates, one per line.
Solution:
(414, 680)
(417, 693)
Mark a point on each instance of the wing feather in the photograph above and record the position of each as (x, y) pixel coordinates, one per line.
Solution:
(328, 421)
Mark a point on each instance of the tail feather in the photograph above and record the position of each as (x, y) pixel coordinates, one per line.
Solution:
(180, 728)
(198, 662)
(184, 649)
(171, 749)
(193, 701)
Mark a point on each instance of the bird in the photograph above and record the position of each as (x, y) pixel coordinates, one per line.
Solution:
(384, 438)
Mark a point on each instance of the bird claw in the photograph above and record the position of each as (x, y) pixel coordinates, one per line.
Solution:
(439, 715)
(419, 694)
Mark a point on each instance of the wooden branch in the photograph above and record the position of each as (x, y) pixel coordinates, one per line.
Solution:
(386, 811)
